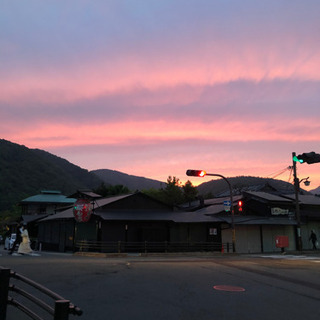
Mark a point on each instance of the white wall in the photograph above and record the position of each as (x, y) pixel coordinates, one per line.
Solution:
(248, 238)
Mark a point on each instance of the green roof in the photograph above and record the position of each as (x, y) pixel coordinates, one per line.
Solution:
(48, 196)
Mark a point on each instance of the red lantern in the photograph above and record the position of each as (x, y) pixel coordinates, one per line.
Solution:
(82, 210)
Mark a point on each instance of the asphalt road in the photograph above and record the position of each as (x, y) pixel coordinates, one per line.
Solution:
(226, 286)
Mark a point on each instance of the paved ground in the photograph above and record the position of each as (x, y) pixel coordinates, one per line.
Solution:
(179, 287)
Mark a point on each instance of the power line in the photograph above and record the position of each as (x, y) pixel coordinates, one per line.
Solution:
(290, 175)
(278, 173)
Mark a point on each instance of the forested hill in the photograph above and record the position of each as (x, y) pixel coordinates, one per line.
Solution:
(132, 182)
(216, 187)
(25, 172)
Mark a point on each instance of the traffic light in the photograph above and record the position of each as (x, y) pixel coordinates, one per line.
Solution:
(310, 157)
(196, 173)
(240, 204)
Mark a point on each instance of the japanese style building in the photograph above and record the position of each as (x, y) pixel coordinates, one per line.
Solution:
(129, 222)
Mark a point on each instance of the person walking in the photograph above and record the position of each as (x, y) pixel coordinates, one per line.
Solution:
(313, 238)
(24, 247)
(16, 241)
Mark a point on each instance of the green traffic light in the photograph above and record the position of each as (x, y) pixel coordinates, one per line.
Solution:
(296, 159)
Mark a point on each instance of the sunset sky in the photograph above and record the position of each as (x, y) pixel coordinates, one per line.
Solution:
(154, 87)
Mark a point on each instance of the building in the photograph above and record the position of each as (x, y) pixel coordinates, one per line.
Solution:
(127, 222)
(266, 216)
(133, 218)
(36, 207)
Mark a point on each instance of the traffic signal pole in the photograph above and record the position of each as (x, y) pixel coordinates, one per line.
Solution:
(232, 209)
(296, 191)
(202, 173)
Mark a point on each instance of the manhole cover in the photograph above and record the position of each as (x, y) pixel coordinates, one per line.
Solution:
(229, 288)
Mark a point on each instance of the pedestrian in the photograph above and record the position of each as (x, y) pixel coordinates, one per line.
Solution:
(313, 238)
(16, 241)
(7, 239)
(24, 247)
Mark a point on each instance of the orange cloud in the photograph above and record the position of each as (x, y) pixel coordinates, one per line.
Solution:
(140, 132)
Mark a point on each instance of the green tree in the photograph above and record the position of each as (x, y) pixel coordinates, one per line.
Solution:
(106, 191)
(118, 189)
(171, 194)
(189, 192)
(157, 194)
(173, 191)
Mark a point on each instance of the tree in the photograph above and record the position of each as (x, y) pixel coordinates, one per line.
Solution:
(173, 192)
(106, 191)
(189, 192)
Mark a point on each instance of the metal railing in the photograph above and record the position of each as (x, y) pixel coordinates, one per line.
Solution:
(150, 247)
(59, 310)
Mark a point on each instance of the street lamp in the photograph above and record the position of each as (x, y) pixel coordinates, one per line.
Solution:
(306, 181)
(202, 173)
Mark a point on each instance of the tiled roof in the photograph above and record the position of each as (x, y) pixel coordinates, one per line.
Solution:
(66, 214)
(104, 201)
(306, 199)
(49, 197)
(268, 196)
(85, 194)
(137, 215)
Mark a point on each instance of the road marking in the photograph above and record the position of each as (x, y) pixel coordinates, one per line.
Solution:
(292, 257)
(228, 288)
(32, 254)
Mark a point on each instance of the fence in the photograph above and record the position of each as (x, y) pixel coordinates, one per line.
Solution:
(151, 247)
(59, 311)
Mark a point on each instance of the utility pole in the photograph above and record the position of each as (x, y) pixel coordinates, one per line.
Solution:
(296, 191)
(309, 158)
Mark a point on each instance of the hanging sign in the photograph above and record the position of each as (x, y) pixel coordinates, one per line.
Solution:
(82, 210)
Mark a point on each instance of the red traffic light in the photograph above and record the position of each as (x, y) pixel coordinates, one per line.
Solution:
(196, 173)
(240, 203)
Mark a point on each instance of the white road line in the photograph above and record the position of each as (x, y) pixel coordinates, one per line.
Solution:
(292, 257)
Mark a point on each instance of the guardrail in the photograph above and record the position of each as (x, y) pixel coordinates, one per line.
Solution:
(59, 310)
(150, 247)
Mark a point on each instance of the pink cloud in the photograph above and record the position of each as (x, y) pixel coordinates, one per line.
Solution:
(157, 88)
(209, 62)
(140, 132)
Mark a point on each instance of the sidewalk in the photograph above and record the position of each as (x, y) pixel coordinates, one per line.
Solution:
(171, 255)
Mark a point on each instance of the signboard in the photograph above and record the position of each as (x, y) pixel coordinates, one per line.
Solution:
(279, 211)
(213, 231)
(82, 210)
(227, 205)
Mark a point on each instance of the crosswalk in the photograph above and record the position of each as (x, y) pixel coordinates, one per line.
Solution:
(315, 259)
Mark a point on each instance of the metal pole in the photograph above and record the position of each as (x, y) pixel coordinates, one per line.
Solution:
(296, 191)
(4, 288)
(232, 210)
(61, 311)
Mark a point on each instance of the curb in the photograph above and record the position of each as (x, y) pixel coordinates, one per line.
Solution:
(145, 255)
